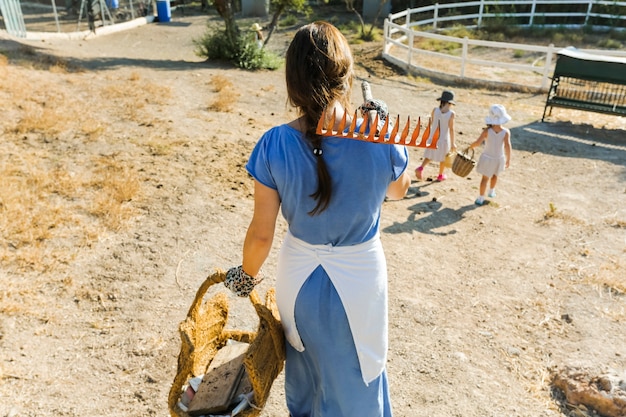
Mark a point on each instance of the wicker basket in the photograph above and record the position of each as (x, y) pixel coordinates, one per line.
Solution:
(202, 335)
(463, 163)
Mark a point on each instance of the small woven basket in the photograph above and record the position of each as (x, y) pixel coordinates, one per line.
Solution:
(202, 335)
(463, 163)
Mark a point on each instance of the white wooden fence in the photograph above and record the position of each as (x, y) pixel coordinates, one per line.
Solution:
(401, 33)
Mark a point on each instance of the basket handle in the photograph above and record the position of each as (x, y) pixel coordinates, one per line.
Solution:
(215, 278)
(466, 151)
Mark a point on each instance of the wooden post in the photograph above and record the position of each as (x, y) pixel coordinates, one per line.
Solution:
(464, 56)
(435, 15)
(386, 44)
(410, 56)
(481, 9)
(546, 68)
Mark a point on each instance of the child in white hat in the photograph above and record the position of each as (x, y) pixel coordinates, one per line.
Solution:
(496, 156)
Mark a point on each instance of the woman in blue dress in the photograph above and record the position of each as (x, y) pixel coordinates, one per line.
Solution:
(331, 287)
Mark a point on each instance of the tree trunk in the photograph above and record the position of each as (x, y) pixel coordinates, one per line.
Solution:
(225, 9)
(274, 23)
(350, 7)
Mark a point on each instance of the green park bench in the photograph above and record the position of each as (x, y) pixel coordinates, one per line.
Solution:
(588, 82)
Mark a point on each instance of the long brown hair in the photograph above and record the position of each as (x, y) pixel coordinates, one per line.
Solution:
(319, 72)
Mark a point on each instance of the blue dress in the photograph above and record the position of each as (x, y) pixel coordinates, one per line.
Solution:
(325, 379)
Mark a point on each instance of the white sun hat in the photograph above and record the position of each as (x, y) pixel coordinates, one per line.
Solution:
(497, 115)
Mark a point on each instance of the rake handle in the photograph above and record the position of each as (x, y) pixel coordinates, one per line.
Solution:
(367, 95)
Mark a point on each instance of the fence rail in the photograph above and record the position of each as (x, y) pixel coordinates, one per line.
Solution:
(536, 12)
(401, 33)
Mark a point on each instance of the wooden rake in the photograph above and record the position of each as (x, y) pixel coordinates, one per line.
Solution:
(379, 137)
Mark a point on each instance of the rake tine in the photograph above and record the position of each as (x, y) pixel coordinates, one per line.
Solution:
(364, 124)
(361, 132)
(352, 125)
(425, 136)
(433, 144)
(331, 124)
(342, 124)
(394, 131)
(405, 132)
(383, 131)
(320, 124)
(416, 132)
(372, 135)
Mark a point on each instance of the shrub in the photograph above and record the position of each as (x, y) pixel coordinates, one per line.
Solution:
(289, 20)
(608, 43)
(241, 52)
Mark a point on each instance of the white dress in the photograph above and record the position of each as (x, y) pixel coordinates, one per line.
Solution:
(493, 161)
(443, 145)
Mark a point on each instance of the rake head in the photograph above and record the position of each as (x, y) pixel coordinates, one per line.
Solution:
(383, 135)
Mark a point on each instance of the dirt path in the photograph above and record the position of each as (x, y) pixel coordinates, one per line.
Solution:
(484, 301)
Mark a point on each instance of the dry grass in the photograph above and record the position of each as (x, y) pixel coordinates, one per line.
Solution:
(618, 224)
(610, 279)
(38, 118)
(55, 195)
(47, 213)
(116, 185)
(553, 213)
(29, 57)
(226, 94)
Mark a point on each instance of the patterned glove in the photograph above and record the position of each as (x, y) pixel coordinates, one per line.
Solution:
(239, 282)
(379, 106)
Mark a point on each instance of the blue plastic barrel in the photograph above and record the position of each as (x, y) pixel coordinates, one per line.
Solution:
(113, 4)
(164, 11)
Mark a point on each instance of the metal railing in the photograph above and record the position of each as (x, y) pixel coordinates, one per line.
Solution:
(33, 20)
(13, 18)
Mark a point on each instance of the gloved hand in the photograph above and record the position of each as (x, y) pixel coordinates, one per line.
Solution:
(380, 107)
(239, 282)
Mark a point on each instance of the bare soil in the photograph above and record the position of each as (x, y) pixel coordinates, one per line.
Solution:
(484, 301)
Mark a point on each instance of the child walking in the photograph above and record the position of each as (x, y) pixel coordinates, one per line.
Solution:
(497, 153)
(442, 116)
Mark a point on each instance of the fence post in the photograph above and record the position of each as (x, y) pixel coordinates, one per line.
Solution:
(532, 13)
(386, 36)
(546, 68)
(408, 18)
(435, 15)
(480, 12)
(410, 55)
(589, 6)
(464, 56)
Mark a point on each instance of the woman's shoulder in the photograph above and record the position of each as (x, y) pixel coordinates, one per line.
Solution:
(280, 131)
(282, 128)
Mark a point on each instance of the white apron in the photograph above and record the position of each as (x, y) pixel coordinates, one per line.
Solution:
(359, 274)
